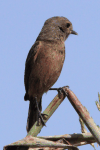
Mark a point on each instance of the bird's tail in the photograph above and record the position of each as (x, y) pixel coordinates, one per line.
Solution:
(32, 114)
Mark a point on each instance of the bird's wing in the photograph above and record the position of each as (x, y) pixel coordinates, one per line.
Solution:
(30, 61)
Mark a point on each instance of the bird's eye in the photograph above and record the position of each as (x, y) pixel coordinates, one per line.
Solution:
(68, 25)
(61, 29)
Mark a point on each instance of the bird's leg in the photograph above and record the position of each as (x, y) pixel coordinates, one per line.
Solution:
(44, 116)
(39, 114)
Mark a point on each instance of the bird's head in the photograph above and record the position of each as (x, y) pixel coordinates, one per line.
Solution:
(56, 28)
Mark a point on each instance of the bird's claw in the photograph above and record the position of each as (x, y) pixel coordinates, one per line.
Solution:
(40, 119)
(44, 116)
(60, 90)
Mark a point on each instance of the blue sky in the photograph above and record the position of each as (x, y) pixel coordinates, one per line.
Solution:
(20, 24)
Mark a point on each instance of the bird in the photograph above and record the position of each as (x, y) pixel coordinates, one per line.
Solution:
(44, 63)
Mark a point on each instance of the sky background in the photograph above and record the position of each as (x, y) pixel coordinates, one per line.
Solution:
(20, 24)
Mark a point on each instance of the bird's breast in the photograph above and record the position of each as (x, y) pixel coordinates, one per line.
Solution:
(56, 53)
(52, 58)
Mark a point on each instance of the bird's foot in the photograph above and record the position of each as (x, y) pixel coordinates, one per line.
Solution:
(60, 90)
(40, 119)
(44, 116)
(39, 116)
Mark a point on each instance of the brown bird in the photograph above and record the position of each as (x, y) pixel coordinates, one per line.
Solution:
(44, 64)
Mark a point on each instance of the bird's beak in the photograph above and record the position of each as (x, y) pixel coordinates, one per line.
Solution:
(73, 32)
